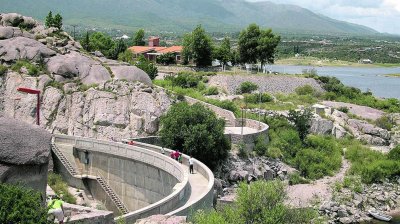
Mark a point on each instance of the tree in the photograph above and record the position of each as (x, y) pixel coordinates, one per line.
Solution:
(138, 39)
(259, 202)
(166, 59)
(21, 205)
(198, 46)
(119, 47)
(267, 44)
(187, 48)
(86, 42)
(101, 42)
(147, 66)
(57, 21)
(196, 131)
(223, 53)
(301, 120)
(49, 20)
(126, 56)
(248, 44)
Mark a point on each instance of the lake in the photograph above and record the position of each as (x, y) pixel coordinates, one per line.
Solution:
(361, 77)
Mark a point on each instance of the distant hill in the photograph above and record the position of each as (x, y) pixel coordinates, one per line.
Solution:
(183, 15)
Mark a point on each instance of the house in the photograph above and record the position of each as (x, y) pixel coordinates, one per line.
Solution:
(153, 50)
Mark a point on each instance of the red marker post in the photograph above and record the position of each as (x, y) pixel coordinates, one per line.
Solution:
(37, 92)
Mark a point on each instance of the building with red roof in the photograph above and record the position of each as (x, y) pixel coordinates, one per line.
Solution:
(153, 50)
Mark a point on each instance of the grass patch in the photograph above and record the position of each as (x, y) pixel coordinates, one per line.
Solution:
(60, 188)
(33, 70)
(3, 70)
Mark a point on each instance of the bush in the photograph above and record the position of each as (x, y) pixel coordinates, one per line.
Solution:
(166, 59)
(147, 66)
(274, 153)
(259, 202)
(258, 98)
(260, 146)
(242, 152)
(60, 188)
(3, 70)
(247, 87)
(21, 205)
(211, 91)
(33, 70)
(394, 154)
(384, 122)
(196, 131)
(186, 80)
(301, 120)
(305, 90)
(288, 141)
(224, 104)
(295, 178)
(343, 109)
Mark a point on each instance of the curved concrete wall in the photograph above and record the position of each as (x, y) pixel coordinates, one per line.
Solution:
(127, 158)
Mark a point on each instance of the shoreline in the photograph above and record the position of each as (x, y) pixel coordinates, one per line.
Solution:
(334, 63)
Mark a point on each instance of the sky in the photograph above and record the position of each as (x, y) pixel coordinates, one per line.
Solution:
(381, 15)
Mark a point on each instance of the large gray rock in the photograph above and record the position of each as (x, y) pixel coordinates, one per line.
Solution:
(24, 154)
(75, 64)
(11, 19)
(369, 129)
(9, 32)
(23, 48)
(131, 73)
(321, 126)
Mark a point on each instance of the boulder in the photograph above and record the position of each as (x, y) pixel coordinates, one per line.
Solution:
(131, 73)
(269, 174)
(338, 131)
(321, 126)
(75, 64)
(11, 19)
(8, 32)
(24, 154)
(23, 48)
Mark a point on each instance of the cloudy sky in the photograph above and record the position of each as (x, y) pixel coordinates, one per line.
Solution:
(381, 15)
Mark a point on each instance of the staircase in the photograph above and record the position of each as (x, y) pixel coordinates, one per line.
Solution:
(63, 160)
(110, 192)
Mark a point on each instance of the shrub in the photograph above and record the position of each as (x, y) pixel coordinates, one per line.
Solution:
(242, 152)
(301, 120)
(305, 90)
(394, 154)
(247, 87)
(3, 70)
(186, 80)
(147, 66)
(21, 205)
(224, 104)
(33, 70)
(274, 153)
(166, 59)
(60, 188)
(258, 98)
(213, 90)
(343, 109)
(295, 178)
(260, 146)
(384, 122)
(196, 131)
(287, 140)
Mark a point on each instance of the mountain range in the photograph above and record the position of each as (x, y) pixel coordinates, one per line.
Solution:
(184, 15)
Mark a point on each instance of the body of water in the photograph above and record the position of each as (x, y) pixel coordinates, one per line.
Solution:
(361, 77)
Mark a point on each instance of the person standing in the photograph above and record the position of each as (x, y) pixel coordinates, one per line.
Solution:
(191, 165)
(180, 158)
(56, 209)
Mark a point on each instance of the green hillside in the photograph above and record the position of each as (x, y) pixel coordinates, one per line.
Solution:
(182, 15)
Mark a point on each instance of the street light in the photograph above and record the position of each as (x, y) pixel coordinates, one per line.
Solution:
(37, 92)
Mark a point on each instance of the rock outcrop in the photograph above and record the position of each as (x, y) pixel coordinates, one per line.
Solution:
(24, 154)
(23, 48)
(130, 73)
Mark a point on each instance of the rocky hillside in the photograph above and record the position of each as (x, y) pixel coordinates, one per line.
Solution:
(81, 94)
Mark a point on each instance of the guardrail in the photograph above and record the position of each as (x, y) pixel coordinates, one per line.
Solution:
(144, 155)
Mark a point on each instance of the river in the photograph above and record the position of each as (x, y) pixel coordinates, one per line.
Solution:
(361, 77)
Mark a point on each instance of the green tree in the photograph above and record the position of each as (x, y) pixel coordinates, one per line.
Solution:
(138, 39)
(101, 42)
(147, 66)
(166, 59)
(49, 20)
(57, 21)
(86, 42)
(21, 205)
(301, 120)
(119, 47)
(187, 50)
(259, 202)
(223, 53)
(196, 131)
(126, 56)
(248, 44)
(267, 44)
(198, 46)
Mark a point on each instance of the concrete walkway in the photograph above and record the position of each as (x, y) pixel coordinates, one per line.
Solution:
(198, 184)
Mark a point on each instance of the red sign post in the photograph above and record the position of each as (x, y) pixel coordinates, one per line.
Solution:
(37, 92)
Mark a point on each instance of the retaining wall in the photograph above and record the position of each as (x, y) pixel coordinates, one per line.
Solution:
(150, 165)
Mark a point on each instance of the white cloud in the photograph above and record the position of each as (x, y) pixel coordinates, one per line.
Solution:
(381, 15)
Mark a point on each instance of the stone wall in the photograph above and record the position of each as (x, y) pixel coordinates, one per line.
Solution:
(249, 139)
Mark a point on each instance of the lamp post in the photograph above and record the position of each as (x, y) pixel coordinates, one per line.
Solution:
(37, 92)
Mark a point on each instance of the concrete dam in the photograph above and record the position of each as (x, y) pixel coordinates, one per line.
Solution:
(133, 181)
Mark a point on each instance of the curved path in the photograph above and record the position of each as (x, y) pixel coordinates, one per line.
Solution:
(192, 192)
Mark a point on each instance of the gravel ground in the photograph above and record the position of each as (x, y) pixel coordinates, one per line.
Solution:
(267, 83)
